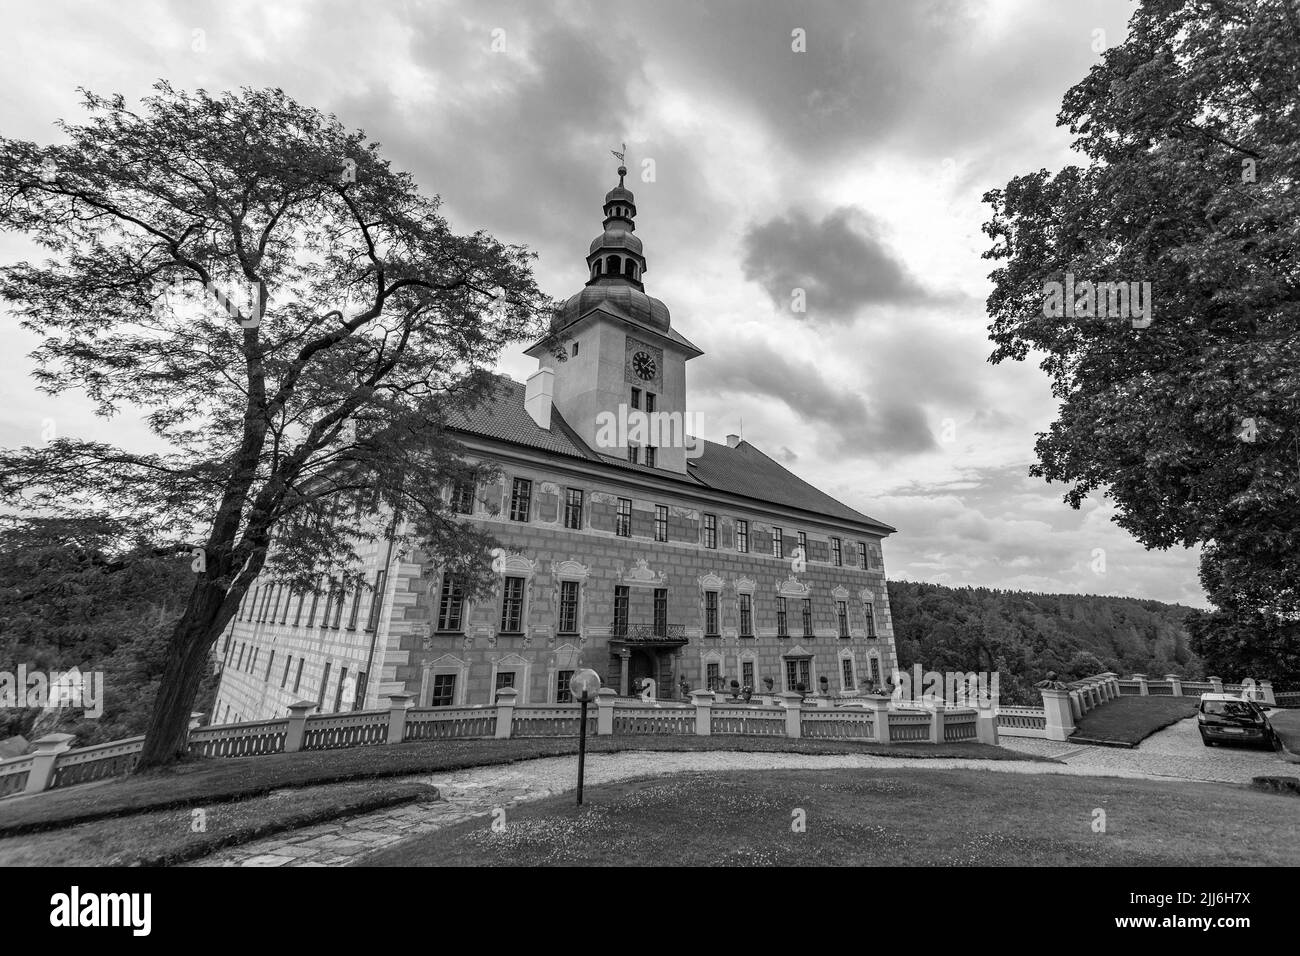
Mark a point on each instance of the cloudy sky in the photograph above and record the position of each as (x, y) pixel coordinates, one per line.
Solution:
(852, 169)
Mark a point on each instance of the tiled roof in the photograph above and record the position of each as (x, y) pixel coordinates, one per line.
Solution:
(743, 470)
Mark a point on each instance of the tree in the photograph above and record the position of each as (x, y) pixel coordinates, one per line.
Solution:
(1188, 417)
(294, 417)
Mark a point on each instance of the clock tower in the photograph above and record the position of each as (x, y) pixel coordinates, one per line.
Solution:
(621, 353)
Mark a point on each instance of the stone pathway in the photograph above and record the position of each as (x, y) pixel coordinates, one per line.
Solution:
(477, 792)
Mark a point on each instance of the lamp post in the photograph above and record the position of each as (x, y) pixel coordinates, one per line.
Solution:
(583, 685)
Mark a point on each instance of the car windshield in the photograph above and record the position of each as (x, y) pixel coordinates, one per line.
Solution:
(1227, 708)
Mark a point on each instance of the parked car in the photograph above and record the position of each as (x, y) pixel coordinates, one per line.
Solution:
(1223, 717)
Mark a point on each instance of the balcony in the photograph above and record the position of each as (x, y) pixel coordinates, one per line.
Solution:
(647, 635)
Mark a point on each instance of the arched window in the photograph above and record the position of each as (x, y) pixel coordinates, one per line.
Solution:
(629, 268)
(611, 265)
(595, 269)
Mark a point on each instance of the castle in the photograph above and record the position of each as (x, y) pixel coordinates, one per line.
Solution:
(627, 546)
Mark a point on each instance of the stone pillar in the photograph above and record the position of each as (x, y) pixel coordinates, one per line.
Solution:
(878, 706)
(505, 710)
(45, 759)
(605, 710)
(1176, 683)
(793, 704)
(1056, 707)
(824, 700)
(1143, 691)
(1266, 691)
(196, 720)
(1076, 704)
(936, 725)
(1217, 684)
(986, 726)
(703, 701)
(298, 725)
(623, 690)
(397, 706)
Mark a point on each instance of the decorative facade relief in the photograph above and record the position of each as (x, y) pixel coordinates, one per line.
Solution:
(793, 587)
(641, 574)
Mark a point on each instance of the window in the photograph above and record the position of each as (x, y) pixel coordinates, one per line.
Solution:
(807, 617)
(875, 671)
(297, 680)
(837, 553)
(862, 555)
(803, 542)
(634, 454)
(360, 699)
(252, 664)
(623, 520)
(620, 608)
(505, 679)
(329, 603)
(338, 695)
(562, 693)
(568, 607)
(746, 616)
(636, 399)
(650, 456)
(320, 695)
(649, 403)
(714, 677)
(270, 662)
(871, 619)
(288, 599)
(575, 347)
(661, 612)
(782, 622)
(842, 615)
(239, 663)
(444, 690)
(747, 674)
(521, 495)
(742, 535)
(377, 602)
(288, 662)
(711, 613)
(297, 615)
(315, 599)
(778, 544)
(573, 509)
(266, 602)
(512, 606)
(710, 531)
(451, 604)
(462, 496)
(846, 666)
(356, 607)
(338, 607)
(661, 522)
(796, 673)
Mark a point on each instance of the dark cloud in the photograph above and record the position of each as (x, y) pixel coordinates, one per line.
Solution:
(841, 263)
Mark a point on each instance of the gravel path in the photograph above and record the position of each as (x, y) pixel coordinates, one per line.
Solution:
(479, 791)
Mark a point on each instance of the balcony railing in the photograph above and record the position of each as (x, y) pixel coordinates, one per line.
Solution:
(647, 633)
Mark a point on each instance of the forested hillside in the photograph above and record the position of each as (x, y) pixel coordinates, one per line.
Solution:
(1023, 635)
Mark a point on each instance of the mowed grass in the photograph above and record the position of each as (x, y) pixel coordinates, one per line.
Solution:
(203, 782)
(185, 833)
(1126, 721)
(904, 817)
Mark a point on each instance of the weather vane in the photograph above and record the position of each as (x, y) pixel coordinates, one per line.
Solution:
(622, 164)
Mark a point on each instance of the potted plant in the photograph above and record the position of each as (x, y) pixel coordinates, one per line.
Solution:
(747, 692)
(801, 688)
(735, 688)
(825, 684)
(767, 684)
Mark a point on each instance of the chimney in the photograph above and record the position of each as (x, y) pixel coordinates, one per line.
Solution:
(538, 390)
(733, 441)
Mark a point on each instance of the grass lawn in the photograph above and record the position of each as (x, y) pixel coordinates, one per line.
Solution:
(1126, 721)
(877, 818)
(166, 837)
(203, 782)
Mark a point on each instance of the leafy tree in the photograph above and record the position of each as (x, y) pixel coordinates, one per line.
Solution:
(1191, 129)
(290, 416)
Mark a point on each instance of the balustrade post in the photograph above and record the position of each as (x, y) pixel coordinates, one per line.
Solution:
(1056, 708)
(505, 710)
(793, 704)
(605, 710)
(936, 725)
(1076, 704)
(1217, 684)
(397, 707)
(878, 706)
(196, 720)
(1143, 690)
(703, 701)
(46, 759)
(1175, 684)
(293, 737)
(986, 726)
(1266, 690)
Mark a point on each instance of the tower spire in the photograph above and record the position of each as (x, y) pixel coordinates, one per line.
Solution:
(615, 256)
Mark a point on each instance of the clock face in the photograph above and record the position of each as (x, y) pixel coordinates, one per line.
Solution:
(644, 366)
